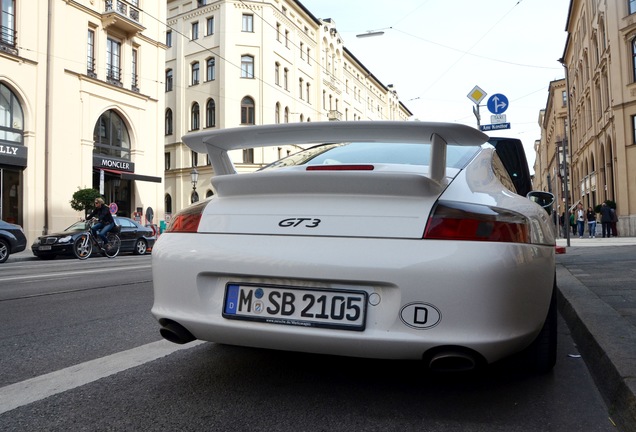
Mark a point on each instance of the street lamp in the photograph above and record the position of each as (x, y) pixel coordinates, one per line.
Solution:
(371, 33)
(194, 178)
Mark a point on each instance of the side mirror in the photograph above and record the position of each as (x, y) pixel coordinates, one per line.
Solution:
(544, 199)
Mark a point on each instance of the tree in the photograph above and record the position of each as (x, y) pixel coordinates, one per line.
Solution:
(83, 200)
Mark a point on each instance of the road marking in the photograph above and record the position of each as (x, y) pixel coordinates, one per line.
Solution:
(73, 273)
(35, 389)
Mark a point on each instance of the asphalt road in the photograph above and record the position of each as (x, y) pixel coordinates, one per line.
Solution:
(81, 352)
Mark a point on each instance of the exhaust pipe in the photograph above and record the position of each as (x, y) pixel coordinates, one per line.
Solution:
(175, 332)
(453, 359)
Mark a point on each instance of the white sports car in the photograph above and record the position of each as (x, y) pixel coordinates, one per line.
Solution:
(395, 240)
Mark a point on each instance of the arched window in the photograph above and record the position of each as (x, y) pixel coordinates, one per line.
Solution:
(168, 121)
(111, 137)
(247, 66)
(194, 197)
(210, 113)
(277, 113)
(195, 73)
(247, 110)
(209, 193)
(210, 69)
(194, 117)
(169, 80)
(168, 201)
(286, 114)
(11, 117)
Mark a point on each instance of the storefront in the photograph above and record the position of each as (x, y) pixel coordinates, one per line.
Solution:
(13, 157)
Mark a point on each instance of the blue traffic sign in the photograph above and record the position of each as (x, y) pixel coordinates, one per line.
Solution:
(497, 103)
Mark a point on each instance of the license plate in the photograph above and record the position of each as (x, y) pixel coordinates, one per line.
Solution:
(337, 309)
(42, 248)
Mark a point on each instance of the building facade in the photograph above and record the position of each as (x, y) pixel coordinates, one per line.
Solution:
(600, 63)
(548, 165)
(80, 95)
(241, 63)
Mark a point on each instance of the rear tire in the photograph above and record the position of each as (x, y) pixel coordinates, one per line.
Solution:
(140, 247)
(111, 249)
(4, 251)
(82, 247)
(541, 354)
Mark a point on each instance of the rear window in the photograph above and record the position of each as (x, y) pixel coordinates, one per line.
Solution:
(375, 153)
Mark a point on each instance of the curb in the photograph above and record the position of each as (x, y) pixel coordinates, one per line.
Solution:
(607, 343)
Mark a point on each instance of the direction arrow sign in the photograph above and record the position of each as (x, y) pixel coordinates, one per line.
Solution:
(497, 103)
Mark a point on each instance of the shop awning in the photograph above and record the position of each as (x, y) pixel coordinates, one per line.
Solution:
(131, 176)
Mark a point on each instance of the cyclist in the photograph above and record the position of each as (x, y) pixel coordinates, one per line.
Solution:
(105, 221)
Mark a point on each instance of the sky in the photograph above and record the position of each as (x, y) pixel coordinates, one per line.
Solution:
(435, 52)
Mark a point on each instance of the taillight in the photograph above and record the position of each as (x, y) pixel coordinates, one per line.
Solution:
(187, 220)
(473, 222)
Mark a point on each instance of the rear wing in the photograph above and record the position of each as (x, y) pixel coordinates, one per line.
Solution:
(217, 143)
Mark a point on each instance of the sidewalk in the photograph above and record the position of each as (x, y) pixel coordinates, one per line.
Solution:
(596, 279)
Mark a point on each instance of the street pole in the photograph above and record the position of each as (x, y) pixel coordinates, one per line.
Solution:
(565, 187)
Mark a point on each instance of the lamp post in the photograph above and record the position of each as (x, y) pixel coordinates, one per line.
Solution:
(194, 178)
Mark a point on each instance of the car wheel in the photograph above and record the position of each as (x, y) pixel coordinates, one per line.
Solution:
(4, 251)
(140, 247)
(541, 354)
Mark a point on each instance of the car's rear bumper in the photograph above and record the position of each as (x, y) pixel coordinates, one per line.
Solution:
(492, 297)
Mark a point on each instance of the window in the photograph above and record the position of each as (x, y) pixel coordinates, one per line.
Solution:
(287, 38)
(90, 61)
(247, 66)
(169, 38)
(195, 31)
(11, 117)
(302, 50)
(286, 114)
(308, 93)
(634, 59)
(110, 136)
(564, 97)
(113, 55)
(168, 122)
(248, 23)
(169, 80)
(166, 158)
(632, 6)
(168, 204)
(210, 69)
(247, 110)
(195, 158)
(210, 113)
(277, 73)
(201, 3)
(277, 114)
(209, 26)
(286, 79)
(248, 155)
(194, 117)
(300, 88)
(633, 130)
(308, 56)
(195, 73)
(135, 70)
(278, 32)
(7, 35)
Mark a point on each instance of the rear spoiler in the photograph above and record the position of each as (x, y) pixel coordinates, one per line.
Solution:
(217, 143)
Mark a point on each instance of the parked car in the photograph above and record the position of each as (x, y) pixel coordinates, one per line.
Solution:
(12, 240)
(135, 238)
(395, 240)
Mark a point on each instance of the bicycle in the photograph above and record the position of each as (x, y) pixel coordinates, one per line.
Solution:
(83, 245)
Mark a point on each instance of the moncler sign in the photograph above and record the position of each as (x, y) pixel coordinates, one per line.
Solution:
(114, 164)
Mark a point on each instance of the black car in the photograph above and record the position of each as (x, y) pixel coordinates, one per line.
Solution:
(135, 238)
(12, 240)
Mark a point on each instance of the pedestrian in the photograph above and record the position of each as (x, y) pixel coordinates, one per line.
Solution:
(580, 219)
(606, 220)
(573, 223)
(591, 222)
(613, 223)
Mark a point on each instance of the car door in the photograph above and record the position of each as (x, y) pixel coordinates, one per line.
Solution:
(128, 233)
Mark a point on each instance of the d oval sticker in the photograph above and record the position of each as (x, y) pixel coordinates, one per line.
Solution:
(421, 316)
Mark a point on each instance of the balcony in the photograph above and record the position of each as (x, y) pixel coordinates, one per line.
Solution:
(334, 115)
(8, 40)
(122, 15)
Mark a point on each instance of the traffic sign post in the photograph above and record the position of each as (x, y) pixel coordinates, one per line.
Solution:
(497, 104)
(476, 95)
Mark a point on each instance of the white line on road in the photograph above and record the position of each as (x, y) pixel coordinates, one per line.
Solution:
(23, 393)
